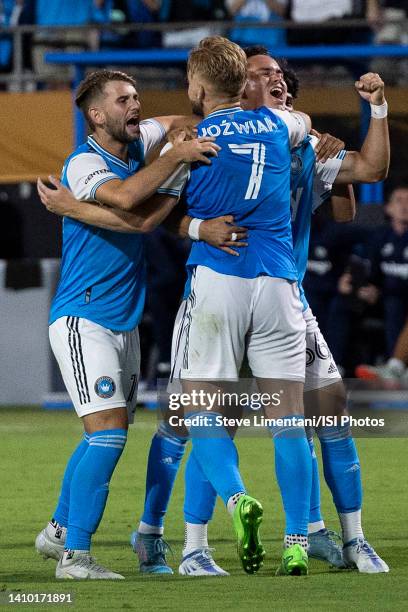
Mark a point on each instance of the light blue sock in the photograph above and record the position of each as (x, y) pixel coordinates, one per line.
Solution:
(341, 467)
(200, 495)
(315, 511)
(166, 452)
(62, 510)
(90, 486)
(293, 466)
(217, 455)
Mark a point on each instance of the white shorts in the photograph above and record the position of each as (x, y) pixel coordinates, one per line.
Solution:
(100, 367)
(224, 316)
(321, 369)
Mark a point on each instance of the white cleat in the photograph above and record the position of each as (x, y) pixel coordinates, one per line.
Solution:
(358, 553)
(50, 542)
(200, 563)
(79, 565)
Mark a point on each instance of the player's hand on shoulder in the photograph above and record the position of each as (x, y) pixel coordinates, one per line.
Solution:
(194, 150)
(370, 86)
(327, 147)
(221, 232)
(189, 132)
(59, 199)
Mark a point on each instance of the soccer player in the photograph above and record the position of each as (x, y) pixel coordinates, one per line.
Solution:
(99, 300)
(324, 390)
(249, 179)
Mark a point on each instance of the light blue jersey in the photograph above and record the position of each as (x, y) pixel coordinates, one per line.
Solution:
(102, 271)
(310, 185)
(250, 179)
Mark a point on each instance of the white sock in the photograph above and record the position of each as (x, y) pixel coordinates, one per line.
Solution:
(396, 364)
(351, 525)
(314, 527)
(295, 538)
(195, 536)
(147, 529)
(72, 554)
(233, 500)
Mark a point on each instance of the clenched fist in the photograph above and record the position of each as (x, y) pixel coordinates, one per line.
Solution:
(370, 86)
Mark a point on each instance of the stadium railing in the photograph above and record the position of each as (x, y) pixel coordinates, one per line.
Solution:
(82, 60)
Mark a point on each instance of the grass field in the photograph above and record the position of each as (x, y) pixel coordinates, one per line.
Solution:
(34, 447)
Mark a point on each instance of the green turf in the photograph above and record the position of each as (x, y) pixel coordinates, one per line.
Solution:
(34, 447)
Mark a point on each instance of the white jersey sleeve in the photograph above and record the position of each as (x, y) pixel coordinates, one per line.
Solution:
(152, 133)
(327, 171)
(296, 126)
(85, 173)
(321, 192)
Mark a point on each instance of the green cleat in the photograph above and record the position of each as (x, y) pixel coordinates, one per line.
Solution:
(294, 562)
(247, 519)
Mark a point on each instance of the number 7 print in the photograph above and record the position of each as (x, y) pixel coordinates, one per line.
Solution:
(257, 150)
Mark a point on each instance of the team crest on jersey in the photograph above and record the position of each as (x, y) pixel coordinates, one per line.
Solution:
(105, 387)
(387, 249)
(296, 164)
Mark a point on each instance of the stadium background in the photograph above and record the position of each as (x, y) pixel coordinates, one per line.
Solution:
(38, 130)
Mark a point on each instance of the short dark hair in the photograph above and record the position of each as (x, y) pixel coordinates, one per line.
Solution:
(256, 50)
(93, 86)
(290, 76)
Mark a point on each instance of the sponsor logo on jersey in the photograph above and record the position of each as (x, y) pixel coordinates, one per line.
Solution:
(95, 173)
(105, 387)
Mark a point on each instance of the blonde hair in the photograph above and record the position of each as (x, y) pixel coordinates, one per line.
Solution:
(221, 63)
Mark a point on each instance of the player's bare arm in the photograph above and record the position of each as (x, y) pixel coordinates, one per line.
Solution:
(145, 219)
(129, 194)
(328, 146)
(343, 203)
(177, 122)
(220, 232)
(371, 163)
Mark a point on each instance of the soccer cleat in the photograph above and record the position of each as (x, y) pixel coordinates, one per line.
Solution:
(294, 562)
(322, 546)
(390, 377)
(247, 519)
(50, 542)
(151, 550)
(79, 565)
(359, 554)
(200, 563)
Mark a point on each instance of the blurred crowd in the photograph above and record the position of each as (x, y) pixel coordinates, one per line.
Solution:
(87, 12)
(357, 282)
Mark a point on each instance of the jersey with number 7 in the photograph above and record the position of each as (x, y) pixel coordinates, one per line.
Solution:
(250, 179)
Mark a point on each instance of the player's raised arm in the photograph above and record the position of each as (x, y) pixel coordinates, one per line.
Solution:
(371, 163)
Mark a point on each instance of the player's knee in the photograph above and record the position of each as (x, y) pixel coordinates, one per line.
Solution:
(114, 418)
(330, 400)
